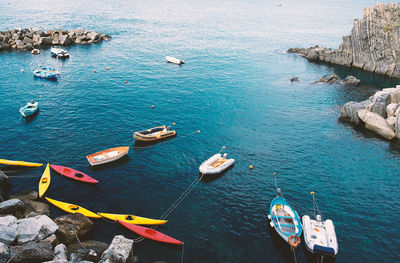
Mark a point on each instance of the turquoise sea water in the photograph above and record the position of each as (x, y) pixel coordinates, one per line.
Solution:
(235, 89)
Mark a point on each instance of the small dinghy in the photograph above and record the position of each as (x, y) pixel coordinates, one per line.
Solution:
(35, 51)
(29, 109)
(216, 164)
(174, 60)
(319, 235)
(155, 134)
(59, 53)
(73, 174)
(107, 156)
(45, 73)
(150, 233)
(284, 219)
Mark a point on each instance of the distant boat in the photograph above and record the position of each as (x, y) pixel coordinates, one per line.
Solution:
(154, 134)
(285, 220)
(35, 51)
(59, 53)
(45, 73)
(216, 164)
(107, 156)
(29, 109)
(320, 235)
(174, 60)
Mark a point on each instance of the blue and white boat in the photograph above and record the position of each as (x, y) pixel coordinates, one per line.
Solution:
(285, 220)
(29, 109)
(59, 53)
(45, 73)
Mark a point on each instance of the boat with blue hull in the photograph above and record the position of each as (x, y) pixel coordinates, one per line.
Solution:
(46, 73)
(29, 109)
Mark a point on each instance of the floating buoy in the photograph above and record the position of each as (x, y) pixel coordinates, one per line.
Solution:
(22, 70)
(312, 193)
(107, 68)
(251, 167)
(94, 70)
(274, 173)
(152, 106)
(41, 96)
(198, 131)
(223, 147)
(125, 81)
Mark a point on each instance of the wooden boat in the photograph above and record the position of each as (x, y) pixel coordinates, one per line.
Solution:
(20, 163)
(71, 208)
(35, 51)
(45, 73)
(59, 53)
(151, 233)
(29, 109)
(107, 156)
(137, 220)
(154, 134)
(319, 235)
(73, 174)
(44, 182)
(174, 60)
(216, 164)
(285, 220)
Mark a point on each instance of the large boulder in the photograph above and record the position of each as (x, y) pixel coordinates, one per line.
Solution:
(391, 109)
(4, 253)
(380, 101)
(351, 81)
(349, 110)
(395, 96)
(32, 252)
(391, 121)
(65, 40)
(28, 40)
(3, 178)
(20, 44)
(329, 78)
(60, 252)
(35, 228)
(72, 225)
(8, 229)
(88, 250)
(26, 194)
(119, 250)
(30, 206)
(46, 41)
(11, 206)
(93, 35)
(80, 39)
(376, 123)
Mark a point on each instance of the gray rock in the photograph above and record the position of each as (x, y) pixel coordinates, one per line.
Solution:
(65, 40)
(391, 109)
(10, 206)
(29, 34)
(52, 239)
(93, 35)
(349, 110)
(106, 37)
(294, 79)
(46, 41)
(330, 78)
(28, 47)
(119, 250)
(20, 44)
(35, 228)
(28, 40)
(391, 122)
(376, 123)
(351, 81)
(81, 39)
(380, 101)
(32, 206)
(26, 194)
(4, 253)
(8, 229)
(71, 225)
(60, 252)
(3, 178)
(32, 252)
(92, 250)
(37, 39)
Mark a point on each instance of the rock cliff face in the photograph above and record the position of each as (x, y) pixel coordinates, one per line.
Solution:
(373, 45)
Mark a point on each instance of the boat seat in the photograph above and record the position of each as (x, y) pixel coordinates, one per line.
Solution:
(288, 217)
(287, 225)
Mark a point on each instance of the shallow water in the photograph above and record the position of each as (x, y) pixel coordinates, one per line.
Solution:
(235, 89)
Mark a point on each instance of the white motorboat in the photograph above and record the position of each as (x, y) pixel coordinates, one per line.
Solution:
(59, 53)
(174, 60)
(216, 164)
(319, 235)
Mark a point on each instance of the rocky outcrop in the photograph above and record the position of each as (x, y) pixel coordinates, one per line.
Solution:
(351, 81)
(88, 250)
(11, 206)
(35, 228)
(72, 225)
(373, 44)
(8, 229)
(119, 250)
(27, 38)
(32, 252)
(380, 113)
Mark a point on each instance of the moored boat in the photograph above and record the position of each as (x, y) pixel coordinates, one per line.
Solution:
(59, 53)
(35, 51)
(319, 235)
(216, 164)
(29, 109)
(107, 156)
(137, 220)
(174, 60)
(151, 233)
(71, 208)
(20, 163)
(45, 73)
(154, 134)
(73, 174)
(44, 182)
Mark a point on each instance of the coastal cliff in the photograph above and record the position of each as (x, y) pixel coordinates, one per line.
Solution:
(373, 45)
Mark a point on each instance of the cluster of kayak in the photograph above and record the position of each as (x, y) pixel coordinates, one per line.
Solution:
(319, 235)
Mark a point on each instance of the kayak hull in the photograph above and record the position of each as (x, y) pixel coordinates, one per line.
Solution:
(20, 163)
(73, 174)
(44, 182)
(71, 208)
(137, 220)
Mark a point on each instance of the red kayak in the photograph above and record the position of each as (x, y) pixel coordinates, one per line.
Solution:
(73, 174)
(150, 233)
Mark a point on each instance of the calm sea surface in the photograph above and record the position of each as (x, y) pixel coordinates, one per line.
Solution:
(235, 89)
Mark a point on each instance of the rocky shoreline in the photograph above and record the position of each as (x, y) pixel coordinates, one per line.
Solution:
(373, 44)
(28, 39)
(28, 234)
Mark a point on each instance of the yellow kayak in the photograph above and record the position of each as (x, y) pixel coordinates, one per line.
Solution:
(44, 182)
(71, 208)
(20, 163)
(137, 220)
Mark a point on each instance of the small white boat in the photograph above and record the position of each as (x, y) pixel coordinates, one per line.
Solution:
(107, 156)
(216, 164)
(29, 109)
(35, 51)
(174, 60)
(59, 53)
(319, 235)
